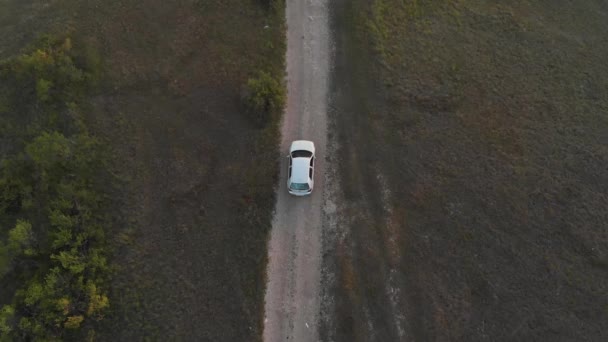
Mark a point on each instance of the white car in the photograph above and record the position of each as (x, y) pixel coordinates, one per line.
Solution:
(301, 167)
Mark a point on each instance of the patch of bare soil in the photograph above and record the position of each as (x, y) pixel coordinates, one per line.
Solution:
(473, 168)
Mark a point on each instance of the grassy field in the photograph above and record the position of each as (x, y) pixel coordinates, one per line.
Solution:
(488, 149)
(194, 171)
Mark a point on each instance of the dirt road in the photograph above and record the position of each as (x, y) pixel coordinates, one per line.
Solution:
(292, 295)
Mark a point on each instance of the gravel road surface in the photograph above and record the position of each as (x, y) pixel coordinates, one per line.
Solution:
(294, 266)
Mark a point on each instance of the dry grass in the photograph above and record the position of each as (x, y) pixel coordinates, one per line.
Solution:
(489, 124)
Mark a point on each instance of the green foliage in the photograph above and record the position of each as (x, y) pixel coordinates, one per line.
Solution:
(7, 314)
(75, 239)
(50, 195)
(47, 75)
(70, 260)
(73, 322)
(42, 89)
(97, 302)
(34, 293)
(64, 305)
(265, 97)
(49, 153)
(21, 239)
(48, 150)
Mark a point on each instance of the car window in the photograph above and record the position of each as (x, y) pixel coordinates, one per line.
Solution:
(301, 154)
(299, 186)
(312, 162)
(289, 172)
(310, 173)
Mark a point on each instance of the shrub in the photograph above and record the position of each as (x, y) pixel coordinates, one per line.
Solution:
(265, 98)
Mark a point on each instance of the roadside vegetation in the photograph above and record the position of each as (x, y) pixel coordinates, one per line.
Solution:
(265, 98)
(487, 125)
(53, 249)
(139, 159)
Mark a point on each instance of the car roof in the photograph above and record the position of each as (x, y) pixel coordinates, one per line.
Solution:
(302, 145)
(299, 170)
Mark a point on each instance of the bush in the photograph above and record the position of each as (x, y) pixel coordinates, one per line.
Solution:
(265, 98)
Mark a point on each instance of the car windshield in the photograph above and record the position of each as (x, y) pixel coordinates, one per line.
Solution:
(301, 154)
(299, 186)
